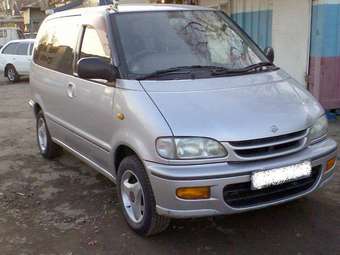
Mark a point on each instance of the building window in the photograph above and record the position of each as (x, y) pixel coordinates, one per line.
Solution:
(3, 33)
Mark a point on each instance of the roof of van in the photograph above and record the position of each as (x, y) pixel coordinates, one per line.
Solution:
(129, 8)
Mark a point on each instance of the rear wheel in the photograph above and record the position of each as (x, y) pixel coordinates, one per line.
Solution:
(137, 200)
(12, 74)
(48, 149)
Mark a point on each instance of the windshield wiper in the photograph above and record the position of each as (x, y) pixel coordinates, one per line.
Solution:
(180, 70)
(255, 67)
(215, 70)
(258, 66)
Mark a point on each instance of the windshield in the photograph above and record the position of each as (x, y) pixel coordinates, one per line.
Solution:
(153, 41)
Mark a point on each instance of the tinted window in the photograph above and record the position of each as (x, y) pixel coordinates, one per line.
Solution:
(56, 45)
(92, 46)
(22, 49)
(10, 49)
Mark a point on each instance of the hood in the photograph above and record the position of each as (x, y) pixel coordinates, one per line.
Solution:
(235, 108)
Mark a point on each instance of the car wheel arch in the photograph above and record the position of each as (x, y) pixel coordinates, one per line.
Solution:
(122, 151)
(36, 109)
(6, 68)
(8, 65)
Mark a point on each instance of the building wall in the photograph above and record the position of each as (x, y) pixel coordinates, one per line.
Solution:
(291, 36)
(26, 15)
(282, 24)
(213, 3)
(37, 16)
(325, 52)
(255, 17)
(33, 17)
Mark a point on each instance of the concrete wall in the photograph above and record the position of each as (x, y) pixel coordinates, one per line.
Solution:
(291, 36)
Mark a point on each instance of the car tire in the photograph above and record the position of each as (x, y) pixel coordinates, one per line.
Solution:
(133, 181)
(12, 74)
(48, 149)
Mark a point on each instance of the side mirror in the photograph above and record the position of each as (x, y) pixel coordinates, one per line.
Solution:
(269, 51)
(96, 68)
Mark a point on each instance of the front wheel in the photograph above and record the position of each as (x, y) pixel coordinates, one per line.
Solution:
(12, 74)
(137, 199)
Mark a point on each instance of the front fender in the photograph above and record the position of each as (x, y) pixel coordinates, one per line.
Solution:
(142, 125)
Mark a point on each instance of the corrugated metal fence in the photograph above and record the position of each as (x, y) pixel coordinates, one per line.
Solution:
(325, 52)
(255, 17)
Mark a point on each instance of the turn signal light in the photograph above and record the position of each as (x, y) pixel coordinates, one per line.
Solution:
(330, 164)
(193, 193)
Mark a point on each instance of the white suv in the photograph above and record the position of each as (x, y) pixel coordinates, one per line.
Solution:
(15, 59)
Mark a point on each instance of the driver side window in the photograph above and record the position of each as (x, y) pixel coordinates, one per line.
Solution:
(92, 45)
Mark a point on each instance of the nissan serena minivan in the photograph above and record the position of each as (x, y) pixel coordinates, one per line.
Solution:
(179, 108)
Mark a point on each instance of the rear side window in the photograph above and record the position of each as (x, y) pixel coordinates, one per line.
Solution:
(22, 49)
(56, 45)
(92, 45)
(10, 49)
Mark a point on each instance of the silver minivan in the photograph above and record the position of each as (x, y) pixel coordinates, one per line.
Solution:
(179, 108)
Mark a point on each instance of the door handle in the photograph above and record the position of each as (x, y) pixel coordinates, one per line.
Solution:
(70, 91)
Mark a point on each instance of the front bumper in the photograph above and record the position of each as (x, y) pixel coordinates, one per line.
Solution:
(165, 179)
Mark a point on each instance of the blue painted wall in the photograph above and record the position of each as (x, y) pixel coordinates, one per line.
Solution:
(324, 68)
(258, 24)
(325, 41)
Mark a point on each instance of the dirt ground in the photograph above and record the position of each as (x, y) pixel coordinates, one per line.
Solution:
(64, 207)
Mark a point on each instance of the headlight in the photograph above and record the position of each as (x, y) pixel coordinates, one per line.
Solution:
(319, 129)
(189, 148)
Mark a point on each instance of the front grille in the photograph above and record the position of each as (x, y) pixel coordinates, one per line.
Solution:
(268, 147)
(260, 152)
(268, 140)
(241, 195)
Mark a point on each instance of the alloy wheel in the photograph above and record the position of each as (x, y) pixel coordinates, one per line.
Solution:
(42, 134)
(132, 196)
(11, 74)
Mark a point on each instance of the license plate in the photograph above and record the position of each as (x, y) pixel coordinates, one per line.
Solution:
(267, 178)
